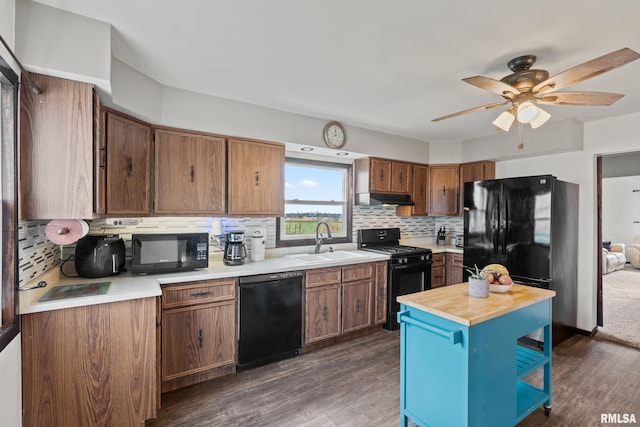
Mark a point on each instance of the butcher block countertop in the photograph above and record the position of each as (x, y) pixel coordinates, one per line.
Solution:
(454, 303)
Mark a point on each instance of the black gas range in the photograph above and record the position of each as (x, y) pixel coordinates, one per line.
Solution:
(409, 267)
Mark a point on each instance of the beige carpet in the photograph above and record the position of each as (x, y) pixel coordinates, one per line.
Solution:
(621, 307)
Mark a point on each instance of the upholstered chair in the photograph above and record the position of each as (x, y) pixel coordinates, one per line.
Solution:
(633, 252)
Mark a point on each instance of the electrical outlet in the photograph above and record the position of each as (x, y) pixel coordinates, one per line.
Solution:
(123, 222)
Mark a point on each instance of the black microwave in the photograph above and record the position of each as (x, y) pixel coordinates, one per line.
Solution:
(167, 253)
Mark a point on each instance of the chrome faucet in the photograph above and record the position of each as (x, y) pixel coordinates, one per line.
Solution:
(319, 235)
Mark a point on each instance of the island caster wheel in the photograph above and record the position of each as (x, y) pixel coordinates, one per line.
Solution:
(547, 410)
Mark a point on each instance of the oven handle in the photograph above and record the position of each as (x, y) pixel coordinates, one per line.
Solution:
(454, 336)
(416, 266)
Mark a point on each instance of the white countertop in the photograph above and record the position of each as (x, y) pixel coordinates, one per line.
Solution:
(127, 286)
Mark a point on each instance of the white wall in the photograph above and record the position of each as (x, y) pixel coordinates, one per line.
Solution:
(10, 366)
(620, 208)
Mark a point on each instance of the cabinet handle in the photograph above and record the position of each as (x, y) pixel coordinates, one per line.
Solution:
(200, 294)
(444, 190)
(454, 336)
(200, 338)
(192, 173)
(257, 177)
(421, 189)
(400, 177)
(324, 313)
(103, 157)
(381, 176)
(129, 166)
(357, 306)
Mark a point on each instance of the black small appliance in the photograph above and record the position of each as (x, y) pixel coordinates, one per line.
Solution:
(99, 256)
(168, 253)
(235, 251)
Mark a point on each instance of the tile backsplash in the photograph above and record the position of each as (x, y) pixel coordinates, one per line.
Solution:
(37, 254)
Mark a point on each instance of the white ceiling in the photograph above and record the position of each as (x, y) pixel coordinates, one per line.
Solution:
(385, 65)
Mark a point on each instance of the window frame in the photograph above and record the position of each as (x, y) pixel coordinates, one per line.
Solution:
(280, 243)
(10, 324)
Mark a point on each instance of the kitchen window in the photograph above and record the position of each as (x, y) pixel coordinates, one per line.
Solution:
(9, 325)
(315, 191)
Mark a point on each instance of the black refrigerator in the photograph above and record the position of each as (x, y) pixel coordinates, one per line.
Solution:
(529, 225)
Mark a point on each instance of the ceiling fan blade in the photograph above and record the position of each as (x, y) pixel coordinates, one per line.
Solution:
(470, 110)
(579, 98)
(585, 71)
(493, 85)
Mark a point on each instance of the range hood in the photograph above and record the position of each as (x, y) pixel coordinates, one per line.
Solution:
(376, 199)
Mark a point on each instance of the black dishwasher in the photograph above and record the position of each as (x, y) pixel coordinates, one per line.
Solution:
(269, 318)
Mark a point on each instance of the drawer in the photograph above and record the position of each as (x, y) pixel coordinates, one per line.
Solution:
(357, 272)
(438, 260)
(323, 276)
(198, 292)
(456, 259)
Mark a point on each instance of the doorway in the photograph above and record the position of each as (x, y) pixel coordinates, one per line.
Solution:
(618, 221)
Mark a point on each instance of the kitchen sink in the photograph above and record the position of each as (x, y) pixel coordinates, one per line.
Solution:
(324, 257)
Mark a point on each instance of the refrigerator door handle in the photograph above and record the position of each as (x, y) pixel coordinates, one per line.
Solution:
(505, 228)
(495, 228)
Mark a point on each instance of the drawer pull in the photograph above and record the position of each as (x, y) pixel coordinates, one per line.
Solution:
(200, 338)
(200, 294)
(454, 336)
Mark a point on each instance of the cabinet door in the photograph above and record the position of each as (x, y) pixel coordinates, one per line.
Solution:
(474, 171)
(128, 166)
(356, 305)
(380, 293)
(401, 177)
(443, 189)
(322, 319)
(380, 175)
(74, 358)
(190, 173)
(420, 189)
(197, 338)
(256, 178)
(454, 269)
(438, 271)
(56, 149)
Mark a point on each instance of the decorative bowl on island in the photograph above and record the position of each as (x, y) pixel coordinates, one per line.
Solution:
(499, 288)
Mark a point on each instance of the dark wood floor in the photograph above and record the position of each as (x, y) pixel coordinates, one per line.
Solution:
(357, 384)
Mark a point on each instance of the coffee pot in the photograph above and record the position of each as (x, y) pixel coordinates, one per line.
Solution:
(235, 251)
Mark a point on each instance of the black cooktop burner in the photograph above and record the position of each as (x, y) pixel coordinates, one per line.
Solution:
(396, 249)
(386, 241)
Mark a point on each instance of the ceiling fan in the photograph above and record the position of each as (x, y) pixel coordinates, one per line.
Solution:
(526, 87)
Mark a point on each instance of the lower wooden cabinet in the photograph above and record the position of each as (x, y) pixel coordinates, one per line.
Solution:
(322, 318)
(90, 366)
(380, 293)
(197, 338)
(454, 268)
(198, 332)
(446, 269)
(356, 305)
(344, 299)
(438, 270)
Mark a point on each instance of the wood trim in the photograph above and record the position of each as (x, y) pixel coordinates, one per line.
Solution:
(599, 241)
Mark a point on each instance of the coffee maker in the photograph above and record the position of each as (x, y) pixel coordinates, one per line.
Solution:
(235, 251)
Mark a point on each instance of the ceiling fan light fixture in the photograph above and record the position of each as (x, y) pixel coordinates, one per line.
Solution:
(527, 112)
(540, 119)
(504, 120)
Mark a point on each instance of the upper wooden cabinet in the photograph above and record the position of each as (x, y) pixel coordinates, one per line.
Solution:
(443, 189)
(419, 193)
(57, 149)
(128, 147)
(382, 176)
(474, 171)
(255, 178)
(190, 173)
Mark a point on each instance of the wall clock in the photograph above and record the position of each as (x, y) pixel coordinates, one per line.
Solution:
(334, 135)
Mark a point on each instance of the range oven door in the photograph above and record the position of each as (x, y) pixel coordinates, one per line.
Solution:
(405, 279)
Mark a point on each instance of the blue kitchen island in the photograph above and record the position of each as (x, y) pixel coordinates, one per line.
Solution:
(460, 361)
